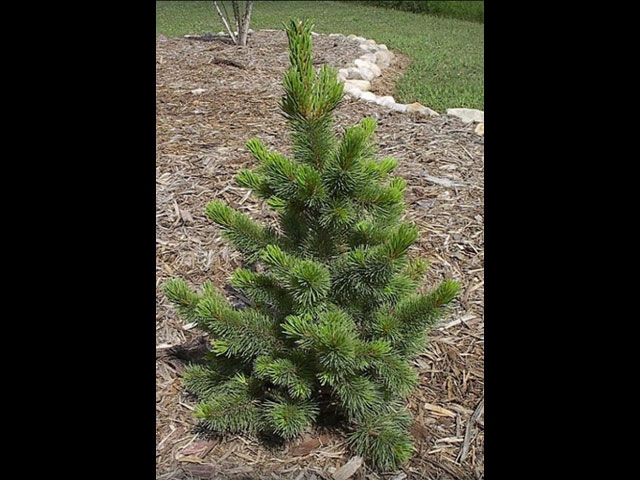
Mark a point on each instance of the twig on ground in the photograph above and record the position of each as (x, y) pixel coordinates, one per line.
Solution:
(225, 61)
(470, 431)
(445, 182)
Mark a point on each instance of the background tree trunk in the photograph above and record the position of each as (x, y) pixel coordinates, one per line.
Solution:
(238, 23)
(246, 20)
(242, 20)
(226, 23)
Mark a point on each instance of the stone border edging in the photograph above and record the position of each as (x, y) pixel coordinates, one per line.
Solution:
(375, 58)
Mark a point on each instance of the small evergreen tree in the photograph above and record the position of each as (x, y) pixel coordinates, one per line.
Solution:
(334, 318)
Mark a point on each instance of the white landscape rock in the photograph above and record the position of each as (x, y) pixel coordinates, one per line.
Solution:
(369, 48)
(354, 92)
(383, 58)
(366, 74)
(369, 66)
(363, 85)
(419, 108)
(360, 74)
(386, 100)
(398, 107)
(368, 97)
(467, 115)
(480, 129)
(369, 57)
(356, 38)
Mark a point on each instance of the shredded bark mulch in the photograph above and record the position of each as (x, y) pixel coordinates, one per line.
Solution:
(211, 97)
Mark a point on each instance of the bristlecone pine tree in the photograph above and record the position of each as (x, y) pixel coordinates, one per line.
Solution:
(334, 319)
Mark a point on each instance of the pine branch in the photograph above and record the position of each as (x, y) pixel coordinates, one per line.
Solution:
(418, 313)
(284, 372)
(400, 286)
(378, 170)
(386, 326)
(363, 275)
(311, 190)
(369, 232)
(215, 316)
(230, 408)
(309, 99)
(264, 291)
(279, 172)
(250, 179)
(288, 418)
(184, 299)
(302, 329)
(344, 173)
(383, 439)
(395, 374)
(421, 311)
(201, 381)
(246, 335)
(337, 218)
(306, 281)
(245, 234)
(335, 341)
(309, 283)
(384, 203)
(359, 396)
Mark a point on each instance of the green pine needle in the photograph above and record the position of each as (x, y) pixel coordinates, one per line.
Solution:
(275, 257)
(288, 418)
(245, 234)
(182, 297)
(248, 179)
(302, 329)
(230, 408)
(309, 283)
(359, 396)
(383, 440)
(284, 372)
(201, 381)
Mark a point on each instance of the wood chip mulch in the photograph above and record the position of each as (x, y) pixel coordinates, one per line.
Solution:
(200, 141)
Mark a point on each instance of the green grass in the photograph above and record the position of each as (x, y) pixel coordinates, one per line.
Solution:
(465, 10)
(462, 10)
(447, 68)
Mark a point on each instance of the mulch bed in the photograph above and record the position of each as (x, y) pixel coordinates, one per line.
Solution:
(200, 141)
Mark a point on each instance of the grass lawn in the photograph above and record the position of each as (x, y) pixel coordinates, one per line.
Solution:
(465, 10)
(447, 68)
